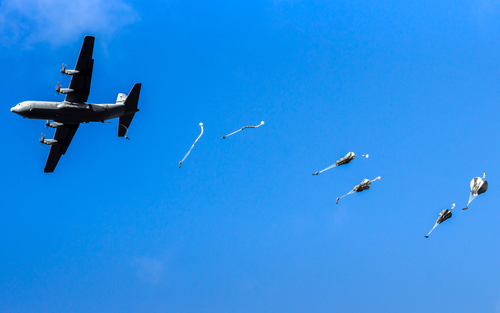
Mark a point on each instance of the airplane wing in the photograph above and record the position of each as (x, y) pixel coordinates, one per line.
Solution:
(80, 83)
(63, 135)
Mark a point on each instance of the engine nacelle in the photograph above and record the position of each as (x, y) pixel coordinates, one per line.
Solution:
(49, 142)
(54, 124)
(65, 90)
(64, 71)
(70, 72)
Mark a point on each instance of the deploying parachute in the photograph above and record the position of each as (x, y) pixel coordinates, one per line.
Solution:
(478, 186)
(443, 216)
(201, 125)
(365, 185)
(261, 123)
(345, 160)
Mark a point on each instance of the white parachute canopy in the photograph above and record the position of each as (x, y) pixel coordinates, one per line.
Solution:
(443, 216)
(478, 186)
(201, 125)
(261, 123)
(345, 160)
(364, 185)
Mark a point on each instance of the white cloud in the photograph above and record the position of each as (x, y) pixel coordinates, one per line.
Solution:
(27, 22)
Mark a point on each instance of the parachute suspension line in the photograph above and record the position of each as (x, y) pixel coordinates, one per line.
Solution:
(224, 137)
(126, 130)
(472, 196)
(352, 191)
(261, 123)
(329, 167)
(201, 124)
(338, 198)
(376, 179)
(435, 225)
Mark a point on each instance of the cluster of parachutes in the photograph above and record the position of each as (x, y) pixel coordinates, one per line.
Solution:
(364, 185)
(478, 186)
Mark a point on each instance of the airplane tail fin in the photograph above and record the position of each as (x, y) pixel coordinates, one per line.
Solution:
(130, 102)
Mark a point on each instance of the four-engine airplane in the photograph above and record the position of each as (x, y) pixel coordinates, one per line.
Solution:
(68, 115)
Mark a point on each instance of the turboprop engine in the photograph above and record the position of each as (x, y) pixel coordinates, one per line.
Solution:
(54, 124)
(48, 142)
(64, 71)
(63, 90)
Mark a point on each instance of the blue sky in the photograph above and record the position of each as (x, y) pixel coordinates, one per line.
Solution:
(244, 226)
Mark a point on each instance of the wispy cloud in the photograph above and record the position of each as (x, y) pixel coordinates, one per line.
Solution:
(56, 22)
(497, 304)
(150, 270)
(487, 12)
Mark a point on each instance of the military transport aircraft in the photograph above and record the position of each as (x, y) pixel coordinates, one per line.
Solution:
(68, 115)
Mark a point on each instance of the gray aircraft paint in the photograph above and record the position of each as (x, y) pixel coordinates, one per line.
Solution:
(65, 112)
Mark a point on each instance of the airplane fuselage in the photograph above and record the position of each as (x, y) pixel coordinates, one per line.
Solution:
(66, 112)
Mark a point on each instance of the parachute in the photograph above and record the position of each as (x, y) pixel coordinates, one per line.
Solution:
(345, 160)
(443, 216)
(364, 185)
(261, 123)
(478, 186)
(201, 124)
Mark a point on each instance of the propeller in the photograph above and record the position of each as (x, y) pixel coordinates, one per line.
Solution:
(58, 88)
(42, 138)
(47, 124)
(63, 69)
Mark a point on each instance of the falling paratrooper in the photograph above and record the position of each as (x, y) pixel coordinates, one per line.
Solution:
(345, 160)
(478, 186)
(443, 216)
(364, 185)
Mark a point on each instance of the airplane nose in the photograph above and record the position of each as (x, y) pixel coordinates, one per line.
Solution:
(13, 109)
